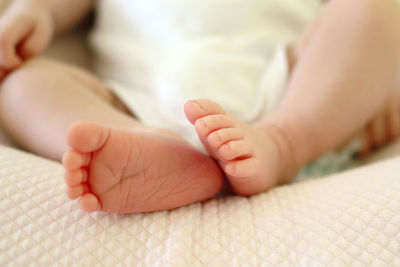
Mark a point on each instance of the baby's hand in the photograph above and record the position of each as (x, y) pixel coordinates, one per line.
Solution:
(26, 29)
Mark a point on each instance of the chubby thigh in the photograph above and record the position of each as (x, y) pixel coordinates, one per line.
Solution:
(40, 100)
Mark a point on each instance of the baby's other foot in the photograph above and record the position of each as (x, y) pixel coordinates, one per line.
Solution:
(135, 171)
(251, 157)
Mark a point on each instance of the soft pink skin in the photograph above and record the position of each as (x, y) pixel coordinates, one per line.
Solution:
(254, 158)
(28, 26)
(26, 30)
(135, 171)
(251, 157)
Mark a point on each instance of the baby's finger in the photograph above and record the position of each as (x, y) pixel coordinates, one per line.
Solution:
(378, 131)
(10, 35)
(366, 143)
(394, 123)
(36, 41)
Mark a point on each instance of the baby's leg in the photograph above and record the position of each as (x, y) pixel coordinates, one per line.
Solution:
(346, 68)
(113, 163)
(346, 65)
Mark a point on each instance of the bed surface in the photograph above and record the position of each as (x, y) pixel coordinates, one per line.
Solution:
(347, 219)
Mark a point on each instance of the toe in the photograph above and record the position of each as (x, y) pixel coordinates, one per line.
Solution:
(222, 136)
(240, 168)
(73, 160)
(378, 131)
(235, 149)
(209, 124)
(196, 109)
(75, 177)
(87, 137)
(89, 203)
(73, 192)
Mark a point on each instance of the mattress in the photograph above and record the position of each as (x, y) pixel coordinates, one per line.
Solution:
(349, 219)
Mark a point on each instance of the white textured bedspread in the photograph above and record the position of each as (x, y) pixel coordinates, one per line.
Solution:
(343, 220)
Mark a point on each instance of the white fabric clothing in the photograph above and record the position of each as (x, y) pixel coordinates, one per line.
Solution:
(157, 54)
(148, 109)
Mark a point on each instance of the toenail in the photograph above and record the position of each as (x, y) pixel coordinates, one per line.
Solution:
(198, 105)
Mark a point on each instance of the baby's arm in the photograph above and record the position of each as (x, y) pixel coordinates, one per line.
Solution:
(27, 27)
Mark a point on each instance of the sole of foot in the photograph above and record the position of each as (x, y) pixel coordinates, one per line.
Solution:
(135, 171)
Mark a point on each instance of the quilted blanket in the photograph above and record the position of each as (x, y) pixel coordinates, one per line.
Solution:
(349, 219)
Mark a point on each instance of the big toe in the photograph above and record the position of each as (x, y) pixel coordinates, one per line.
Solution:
(87, 137)
(196, 109)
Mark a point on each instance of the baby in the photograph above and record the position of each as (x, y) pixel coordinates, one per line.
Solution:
(343, 79)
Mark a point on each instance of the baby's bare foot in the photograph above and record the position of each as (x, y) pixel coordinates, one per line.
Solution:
(250, 157)
(135, 171)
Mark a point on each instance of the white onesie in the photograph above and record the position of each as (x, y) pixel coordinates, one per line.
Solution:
(157, 54)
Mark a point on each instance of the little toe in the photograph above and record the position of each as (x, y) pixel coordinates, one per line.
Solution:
(75, 177)
(89, 203)
(73, 192)
(196, 109)
(73, 160)
(241, 168)
(235, 149)
(87, 137)
(222, 136)
(208, 124)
